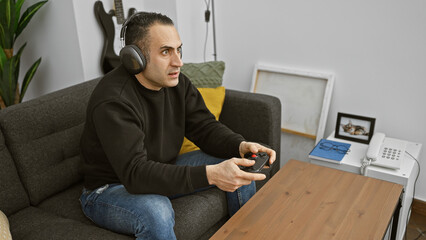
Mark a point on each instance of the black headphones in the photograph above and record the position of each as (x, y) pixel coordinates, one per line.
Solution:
(131, 56)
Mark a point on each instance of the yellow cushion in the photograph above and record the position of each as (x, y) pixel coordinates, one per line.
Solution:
(4, 228)
(214, 98)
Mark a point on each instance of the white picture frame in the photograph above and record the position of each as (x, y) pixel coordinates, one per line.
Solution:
(305, 97)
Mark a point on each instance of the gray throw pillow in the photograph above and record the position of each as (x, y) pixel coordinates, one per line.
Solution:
(206, 74)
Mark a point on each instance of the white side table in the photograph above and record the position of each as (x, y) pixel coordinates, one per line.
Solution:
(405, 176)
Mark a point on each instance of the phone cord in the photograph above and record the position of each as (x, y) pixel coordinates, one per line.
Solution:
(365, 163)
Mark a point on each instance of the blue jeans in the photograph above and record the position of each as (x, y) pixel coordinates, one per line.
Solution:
(149, 216)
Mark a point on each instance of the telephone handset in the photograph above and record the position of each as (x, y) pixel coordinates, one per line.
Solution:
(386, 152)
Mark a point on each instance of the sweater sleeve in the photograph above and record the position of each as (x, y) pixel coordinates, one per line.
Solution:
(120, 132)
(205, 131)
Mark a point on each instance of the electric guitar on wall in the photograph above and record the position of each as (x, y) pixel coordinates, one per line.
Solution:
(111, 23)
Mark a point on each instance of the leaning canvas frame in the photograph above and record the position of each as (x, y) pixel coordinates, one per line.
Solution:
(305, 97)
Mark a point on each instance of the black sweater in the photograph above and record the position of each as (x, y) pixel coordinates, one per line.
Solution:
(133, 135)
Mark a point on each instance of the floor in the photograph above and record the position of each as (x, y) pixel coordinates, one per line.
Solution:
(416, 229)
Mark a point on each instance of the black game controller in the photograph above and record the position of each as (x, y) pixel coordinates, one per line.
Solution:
(261, 159)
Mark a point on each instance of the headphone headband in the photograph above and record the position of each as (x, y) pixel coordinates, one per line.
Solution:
(124, 28)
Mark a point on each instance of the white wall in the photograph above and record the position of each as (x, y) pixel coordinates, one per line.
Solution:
(192, 29)
(376, 49)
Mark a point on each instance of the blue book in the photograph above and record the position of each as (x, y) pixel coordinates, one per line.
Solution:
(330, 151)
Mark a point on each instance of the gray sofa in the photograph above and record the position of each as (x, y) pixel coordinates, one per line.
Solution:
(40, 178)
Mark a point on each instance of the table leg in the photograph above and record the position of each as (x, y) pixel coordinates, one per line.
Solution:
(396, 219)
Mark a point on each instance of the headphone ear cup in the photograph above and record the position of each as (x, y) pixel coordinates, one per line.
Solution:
(132, 59)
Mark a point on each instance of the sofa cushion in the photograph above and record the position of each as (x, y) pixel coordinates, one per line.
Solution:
(205, 74)
(66, 204)
(197, 213)
(33, 223)
(13, 196)
(43, 137)
(213, 98)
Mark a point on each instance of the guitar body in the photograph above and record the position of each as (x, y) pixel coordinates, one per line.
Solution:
(110, 58)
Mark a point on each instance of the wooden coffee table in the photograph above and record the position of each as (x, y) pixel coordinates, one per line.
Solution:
(307, 201)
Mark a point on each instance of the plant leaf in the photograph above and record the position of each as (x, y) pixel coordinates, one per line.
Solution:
(18, 6)
(2, 36)
(3, 59)
(28, 77)
(8, 12)
(7, 16)
(5, 74)
(19, 53)
(18, 62)
(26, 17)
(3, 80)
(6, 83)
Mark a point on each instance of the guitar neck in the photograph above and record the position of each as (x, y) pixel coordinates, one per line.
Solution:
(119, 13)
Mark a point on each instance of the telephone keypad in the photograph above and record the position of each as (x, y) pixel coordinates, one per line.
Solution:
(391, 153)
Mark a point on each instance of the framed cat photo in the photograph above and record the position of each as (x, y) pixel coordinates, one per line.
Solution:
(354, 128)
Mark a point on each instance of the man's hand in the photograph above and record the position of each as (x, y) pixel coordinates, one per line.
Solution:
(246, 147)
(228, 177)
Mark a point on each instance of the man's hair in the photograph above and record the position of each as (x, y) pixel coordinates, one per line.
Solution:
(137, 31)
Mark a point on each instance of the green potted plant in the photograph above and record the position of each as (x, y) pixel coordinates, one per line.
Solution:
(12, 23)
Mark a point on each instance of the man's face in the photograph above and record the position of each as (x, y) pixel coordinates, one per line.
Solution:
(163, 67)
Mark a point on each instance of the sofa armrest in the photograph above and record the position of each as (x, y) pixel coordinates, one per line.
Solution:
(255, 116)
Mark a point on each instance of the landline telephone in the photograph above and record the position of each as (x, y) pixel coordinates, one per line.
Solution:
(384, 152)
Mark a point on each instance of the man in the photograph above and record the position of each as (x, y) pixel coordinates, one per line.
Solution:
(133, 133)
